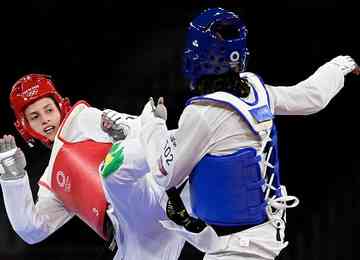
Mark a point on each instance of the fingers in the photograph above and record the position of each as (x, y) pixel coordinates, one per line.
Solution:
(161, 110)
(109, 118)
(111, 114)
(106, 123)
(160, 101)
(2, 145)
(356, 71)
(12, 142)
(7, 142)
(152, 103)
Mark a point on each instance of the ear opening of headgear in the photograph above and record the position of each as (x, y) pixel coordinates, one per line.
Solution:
(26, 91)
(216, 44)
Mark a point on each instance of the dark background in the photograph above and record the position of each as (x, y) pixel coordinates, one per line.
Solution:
(116, 56)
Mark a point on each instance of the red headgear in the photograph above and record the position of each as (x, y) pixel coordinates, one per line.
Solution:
(26, 91)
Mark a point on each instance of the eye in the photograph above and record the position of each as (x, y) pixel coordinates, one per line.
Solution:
(49, 110)
(33, 117)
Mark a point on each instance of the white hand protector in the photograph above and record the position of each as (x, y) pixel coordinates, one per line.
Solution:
(12, 159)
(112, 123)
(345, 63)
(151, 111)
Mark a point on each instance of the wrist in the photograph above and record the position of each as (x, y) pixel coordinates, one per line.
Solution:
(10, 170)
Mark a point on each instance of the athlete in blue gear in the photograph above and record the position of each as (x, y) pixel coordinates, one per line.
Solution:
(225, 146)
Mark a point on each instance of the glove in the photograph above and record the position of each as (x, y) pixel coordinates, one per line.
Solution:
(12, 159)
(113, 123)
(346, 64)
(151, 111)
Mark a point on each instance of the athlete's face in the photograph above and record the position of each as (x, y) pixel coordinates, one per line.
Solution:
(44, 117)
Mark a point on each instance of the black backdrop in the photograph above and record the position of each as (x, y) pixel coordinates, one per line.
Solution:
(115, 56)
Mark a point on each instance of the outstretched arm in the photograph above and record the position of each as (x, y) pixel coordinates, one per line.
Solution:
(314, 93)
(32, 222)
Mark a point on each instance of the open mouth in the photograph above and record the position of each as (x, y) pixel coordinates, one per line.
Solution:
(49, 130)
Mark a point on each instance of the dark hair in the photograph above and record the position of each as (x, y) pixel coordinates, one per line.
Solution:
(228, 82)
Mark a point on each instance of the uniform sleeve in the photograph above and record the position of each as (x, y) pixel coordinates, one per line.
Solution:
(309, 96)
(32, 222)
(173, 154)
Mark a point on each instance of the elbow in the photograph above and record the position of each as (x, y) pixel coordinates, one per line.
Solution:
(316, 103)
(317, 107)
(31, 240)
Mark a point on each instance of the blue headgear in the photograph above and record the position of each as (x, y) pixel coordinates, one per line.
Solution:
(215, 44)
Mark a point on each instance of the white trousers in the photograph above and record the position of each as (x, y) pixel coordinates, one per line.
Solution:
(256, 243)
